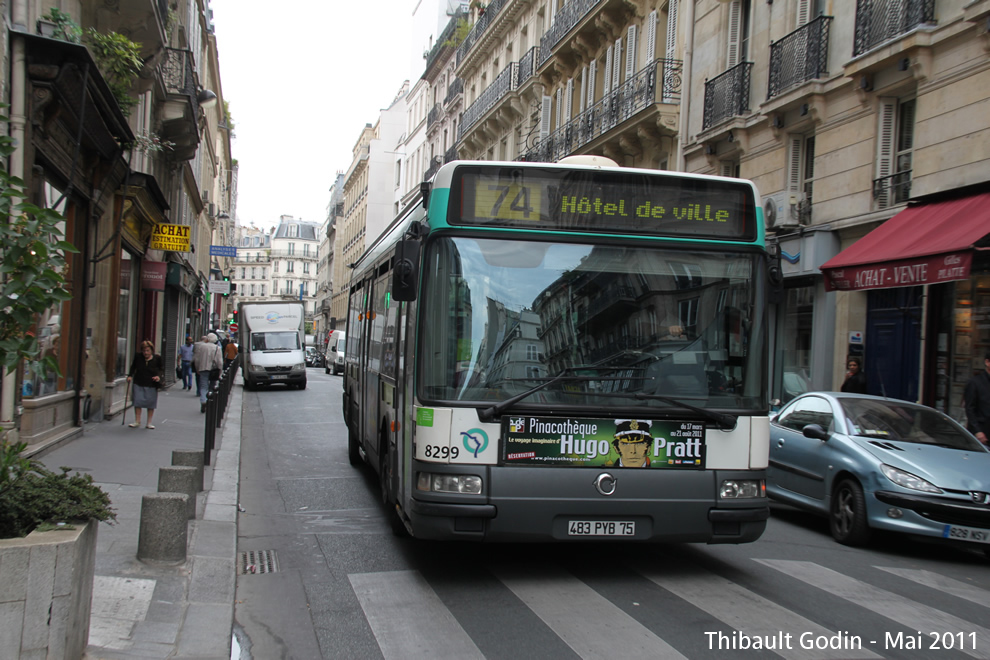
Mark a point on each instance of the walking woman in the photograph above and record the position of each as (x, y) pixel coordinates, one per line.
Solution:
(146, 373)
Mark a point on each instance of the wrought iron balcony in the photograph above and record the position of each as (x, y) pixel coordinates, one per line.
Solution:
(450, 154)
(527, 64)
(632, 97)
(799, 57)
(563, 21)
(878, 21)
(433, 116)
(453, 90)
(727, 95)
(893, 189)
(502, 85)
(446, 38)
(179, 78)
(484, 20)
(435, 164)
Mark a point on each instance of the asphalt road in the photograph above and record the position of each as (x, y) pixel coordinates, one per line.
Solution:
(330, 580)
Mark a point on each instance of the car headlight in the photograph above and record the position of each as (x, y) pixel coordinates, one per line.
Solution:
(908, 480)
(299, 367)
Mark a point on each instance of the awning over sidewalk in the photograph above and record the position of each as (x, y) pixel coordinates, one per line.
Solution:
(924, 244)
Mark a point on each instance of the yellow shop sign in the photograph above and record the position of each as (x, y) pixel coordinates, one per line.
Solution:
(174, 238)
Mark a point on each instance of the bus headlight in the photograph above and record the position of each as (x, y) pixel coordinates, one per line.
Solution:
(740, 489)
(449, 483)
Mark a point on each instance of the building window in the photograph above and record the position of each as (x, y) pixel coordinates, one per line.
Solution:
(293, 231)
(275, 266)
(739, 32)
(252, 290)
(252, 273)
(801, 175)
(306, 267)
(292, 248)
(242, 272)
(290, 288)
(290, 267)
(262, 290)
(895, 146)
(305, 249)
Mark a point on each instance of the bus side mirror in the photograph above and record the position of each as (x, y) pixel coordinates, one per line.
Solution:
(775, 275)
(405, 272)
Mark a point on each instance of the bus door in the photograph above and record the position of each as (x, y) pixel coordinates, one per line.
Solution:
(372, 364)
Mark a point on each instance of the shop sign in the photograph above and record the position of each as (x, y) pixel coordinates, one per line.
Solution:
(153, 275)
(934, 269)
(174, 238)
(584, 442)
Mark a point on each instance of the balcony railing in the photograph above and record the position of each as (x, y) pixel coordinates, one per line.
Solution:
(434, 115)
(893, 189)
(502, 85)
(293, 255)
(527, 64)
(632, 97)
(178, 75)
(446, 38)
(563, 21)
(257, 258)
(435, 164)
(799, 57)
(878, 21)
(727, 95)
(455, 88)
(484, 20)
(450, 154)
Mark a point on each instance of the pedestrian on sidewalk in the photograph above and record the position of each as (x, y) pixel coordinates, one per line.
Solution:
(146, 374)
(206, 358)
(977, 400)
(229, 354)
(185, 359)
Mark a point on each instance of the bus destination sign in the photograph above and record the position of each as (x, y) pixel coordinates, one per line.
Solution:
(570, 442)
(603, 202)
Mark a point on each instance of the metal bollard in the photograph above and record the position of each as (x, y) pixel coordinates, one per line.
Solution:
(209, 439)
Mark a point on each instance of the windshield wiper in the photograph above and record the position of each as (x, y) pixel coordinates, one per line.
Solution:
(492, 413)
(724, 421)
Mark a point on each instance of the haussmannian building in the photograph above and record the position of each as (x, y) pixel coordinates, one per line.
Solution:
(862, 124)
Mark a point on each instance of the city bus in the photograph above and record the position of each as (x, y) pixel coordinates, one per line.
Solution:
(565, 352)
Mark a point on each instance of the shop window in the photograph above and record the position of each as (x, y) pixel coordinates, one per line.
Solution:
(127, 303)
(794, 341)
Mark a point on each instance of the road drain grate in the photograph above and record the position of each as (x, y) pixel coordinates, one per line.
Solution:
(257, 561)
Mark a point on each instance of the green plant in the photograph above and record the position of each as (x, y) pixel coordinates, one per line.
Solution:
(119, 60)
(150, 142)
(66, 29)
(33, 497)
(461, 31)
(32, 263)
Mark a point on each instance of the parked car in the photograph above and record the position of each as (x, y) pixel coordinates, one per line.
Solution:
(335, 353)
(871, 463)
(313, 357)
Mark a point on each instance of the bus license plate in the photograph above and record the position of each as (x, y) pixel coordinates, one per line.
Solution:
(966, 534)
(601, 528)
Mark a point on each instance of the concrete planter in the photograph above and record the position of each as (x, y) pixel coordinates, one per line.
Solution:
(46, 593)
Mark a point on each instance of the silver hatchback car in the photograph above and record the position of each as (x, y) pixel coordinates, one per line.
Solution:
(870, 463)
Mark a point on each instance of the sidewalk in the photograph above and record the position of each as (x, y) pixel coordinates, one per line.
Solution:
(147, 611)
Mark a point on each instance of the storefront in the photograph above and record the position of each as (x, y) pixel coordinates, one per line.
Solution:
(926, 276)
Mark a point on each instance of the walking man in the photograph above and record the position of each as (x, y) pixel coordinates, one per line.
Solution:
(977, 398)
(206, 357)
(185, 358)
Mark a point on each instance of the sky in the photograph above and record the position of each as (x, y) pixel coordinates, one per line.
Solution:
(301, 79)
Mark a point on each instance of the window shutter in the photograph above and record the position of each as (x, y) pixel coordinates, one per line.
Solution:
(560, 107)
(568, 100)
(592, 70)
(795, 144)
(803, 12)
(735, 26)
(651, 32)
(617, 64)
(545, 118)
(630, 52)
(585, 96)
(887, 114)
(607, 79)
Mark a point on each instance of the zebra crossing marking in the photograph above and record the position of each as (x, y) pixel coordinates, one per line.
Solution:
(566, 605)
(942, 583)
(408, 619)
(750, 614)
(906, 612)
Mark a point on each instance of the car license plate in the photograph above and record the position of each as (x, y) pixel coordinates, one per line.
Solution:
(601, 528)
(966, 534)
(280, 377)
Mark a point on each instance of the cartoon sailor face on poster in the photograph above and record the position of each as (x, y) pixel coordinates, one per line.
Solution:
(632, 442)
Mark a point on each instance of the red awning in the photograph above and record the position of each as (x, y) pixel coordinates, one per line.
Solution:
(924, 244)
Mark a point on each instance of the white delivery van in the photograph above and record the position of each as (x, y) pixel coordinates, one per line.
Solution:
(272, 344)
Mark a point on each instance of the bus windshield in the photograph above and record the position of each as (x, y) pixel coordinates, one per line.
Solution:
(631, 326)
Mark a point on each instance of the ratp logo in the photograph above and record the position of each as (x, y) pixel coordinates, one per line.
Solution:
(517, 425)
(475, 441)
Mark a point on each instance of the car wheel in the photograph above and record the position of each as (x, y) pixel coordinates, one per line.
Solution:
(302, 385)
(847, 515)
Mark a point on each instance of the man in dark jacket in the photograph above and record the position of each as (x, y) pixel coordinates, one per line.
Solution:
(977, 398)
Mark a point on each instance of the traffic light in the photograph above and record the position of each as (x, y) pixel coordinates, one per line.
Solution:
(227, 279)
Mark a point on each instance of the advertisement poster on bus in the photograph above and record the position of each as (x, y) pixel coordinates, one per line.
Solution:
(583, 442)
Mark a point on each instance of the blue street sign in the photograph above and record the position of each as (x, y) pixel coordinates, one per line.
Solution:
(223, 251)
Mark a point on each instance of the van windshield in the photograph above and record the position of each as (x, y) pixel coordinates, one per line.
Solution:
(275, 341)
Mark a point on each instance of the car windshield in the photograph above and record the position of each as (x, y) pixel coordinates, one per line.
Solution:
(499, 317)
(904, 422)
(274, 341)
